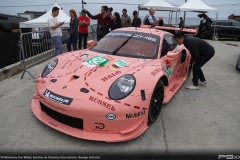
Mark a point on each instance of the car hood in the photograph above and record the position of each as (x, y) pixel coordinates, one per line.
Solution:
(73, 73)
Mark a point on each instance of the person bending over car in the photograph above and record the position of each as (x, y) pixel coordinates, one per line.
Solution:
(201, 53)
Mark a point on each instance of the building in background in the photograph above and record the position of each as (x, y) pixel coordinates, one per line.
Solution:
(31, 14)
(234, 17)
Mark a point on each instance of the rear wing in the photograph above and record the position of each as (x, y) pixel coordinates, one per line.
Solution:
(171, 29)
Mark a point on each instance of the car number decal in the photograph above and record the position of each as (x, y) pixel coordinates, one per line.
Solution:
(95, 61)
(121, 63)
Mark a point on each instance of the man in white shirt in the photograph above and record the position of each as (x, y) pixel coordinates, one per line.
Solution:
(150, 19)
(55, 30)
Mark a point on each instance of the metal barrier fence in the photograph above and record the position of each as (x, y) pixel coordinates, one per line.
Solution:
(36, 47)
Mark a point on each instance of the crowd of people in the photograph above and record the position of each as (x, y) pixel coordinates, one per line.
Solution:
(107, 21)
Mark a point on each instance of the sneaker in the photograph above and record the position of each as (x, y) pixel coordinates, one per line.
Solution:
(202, 83)
(192, 87)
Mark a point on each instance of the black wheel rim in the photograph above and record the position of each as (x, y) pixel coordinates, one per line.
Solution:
(157, 99)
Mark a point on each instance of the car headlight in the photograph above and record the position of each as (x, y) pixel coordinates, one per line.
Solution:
(49, 67)
(122, 87)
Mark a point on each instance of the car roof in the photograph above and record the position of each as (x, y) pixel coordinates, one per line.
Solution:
(226, 20)
(153, 31)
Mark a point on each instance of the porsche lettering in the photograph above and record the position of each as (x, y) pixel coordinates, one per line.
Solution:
(135, 36)
(134, 115)
(110, 76)
(101, 103)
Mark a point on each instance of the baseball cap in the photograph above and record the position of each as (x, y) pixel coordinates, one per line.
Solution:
(135, 12)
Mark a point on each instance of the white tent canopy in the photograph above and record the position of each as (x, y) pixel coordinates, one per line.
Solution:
(196, 6)
(42, 21)
(158, 5)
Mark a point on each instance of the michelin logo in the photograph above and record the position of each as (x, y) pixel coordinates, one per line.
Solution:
(57, 98)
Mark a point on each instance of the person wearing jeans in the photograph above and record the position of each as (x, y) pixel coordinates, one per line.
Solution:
(201, 53)
(55, 30)
(84, 22)
(73, 31)
(57, 41)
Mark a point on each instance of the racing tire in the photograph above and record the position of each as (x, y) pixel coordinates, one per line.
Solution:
(156, 102)
(237, 67)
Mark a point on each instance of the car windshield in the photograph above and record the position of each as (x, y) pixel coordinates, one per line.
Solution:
(141, 45)
(236, 24)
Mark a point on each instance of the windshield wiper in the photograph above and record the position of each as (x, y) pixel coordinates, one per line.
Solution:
(120, 46)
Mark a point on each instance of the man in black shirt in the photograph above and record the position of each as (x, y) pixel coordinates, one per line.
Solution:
(136, 20)
(201, 53)
(4, 29)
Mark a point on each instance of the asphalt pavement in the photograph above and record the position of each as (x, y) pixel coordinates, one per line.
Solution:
(206, 120)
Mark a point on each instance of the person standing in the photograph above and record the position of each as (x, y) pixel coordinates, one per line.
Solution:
(103, 22)
(126, 20)
(110, 9)
(4, 29)
(181, 23)
(73, 32)
(150, 19)
(55, 30)
(200, 27)
(84, 22)
(116, 21)
(201, 53)
(136, 20)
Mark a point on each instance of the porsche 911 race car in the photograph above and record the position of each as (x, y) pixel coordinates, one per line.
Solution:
(114, 90)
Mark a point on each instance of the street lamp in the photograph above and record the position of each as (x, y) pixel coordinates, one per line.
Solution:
(184, 17)
(83, 4)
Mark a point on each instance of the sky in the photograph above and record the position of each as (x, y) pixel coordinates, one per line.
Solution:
(224, 10)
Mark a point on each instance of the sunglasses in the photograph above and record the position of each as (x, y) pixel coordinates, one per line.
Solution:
(124, 13)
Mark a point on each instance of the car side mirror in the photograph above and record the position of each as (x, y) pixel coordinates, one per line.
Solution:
(172, 54)
(91, 43)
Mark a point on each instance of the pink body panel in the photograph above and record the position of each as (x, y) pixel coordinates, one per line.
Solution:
(93, 107)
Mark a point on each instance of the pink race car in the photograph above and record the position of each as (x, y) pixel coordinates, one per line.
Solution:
(114, 90)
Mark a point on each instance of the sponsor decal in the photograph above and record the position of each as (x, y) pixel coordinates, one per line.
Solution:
(110, 116)
(139, 36)
(156, 71)
(65, 64)
(167, 68)
(119, 64)
(101, 103)
(96, 61)
(144, 60)
(110, 76)
(40, 81)
(134, 115)
(174, 87)
(84, 56)
(57, 98)
(99, 127)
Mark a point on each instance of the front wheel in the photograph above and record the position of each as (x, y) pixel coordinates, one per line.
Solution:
(237, 68)
(156, 102)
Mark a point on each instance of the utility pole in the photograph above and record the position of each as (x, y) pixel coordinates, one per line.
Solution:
(184, 18)
(82, 5)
